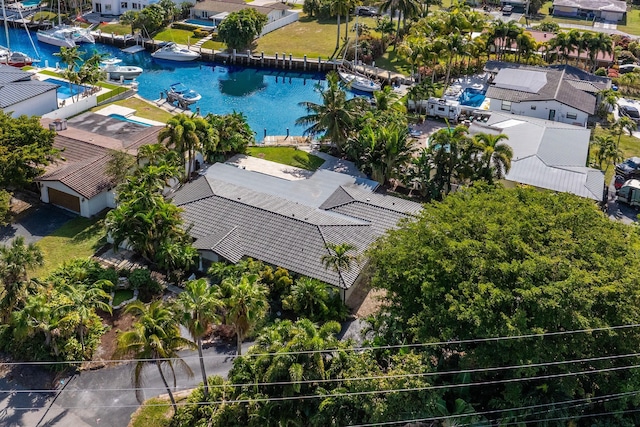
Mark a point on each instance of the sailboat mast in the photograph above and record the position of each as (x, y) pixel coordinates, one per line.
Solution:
(6, 25)
(59, 14)
(355, 61)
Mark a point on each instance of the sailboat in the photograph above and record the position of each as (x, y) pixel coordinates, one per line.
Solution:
(65, 35)
(354, 79)
(7, 56)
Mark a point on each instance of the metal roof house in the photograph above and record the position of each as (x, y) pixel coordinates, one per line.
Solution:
(546, 154)
(19, 94)
(78, 181)
(606, 10)
(234, 213)
(559, 93)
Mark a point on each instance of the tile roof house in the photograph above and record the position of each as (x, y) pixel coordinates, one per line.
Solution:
(278, 13)
(19, 94)
(234, 213)
(606, 10)
(547, 154)
(558, 93)
(78, 181)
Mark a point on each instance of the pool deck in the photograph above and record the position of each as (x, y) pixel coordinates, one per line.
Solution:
(126, 112)
(476, 81)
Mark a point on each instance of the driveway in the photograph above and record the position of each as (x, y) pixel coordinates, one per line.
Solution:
(34, 224)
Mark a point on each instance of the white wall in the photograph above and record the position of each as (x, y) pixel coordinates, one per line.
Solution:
(72, 109)
(117, 7)
(36, 106)
(290, 17)
(88, 207)
(541, 111)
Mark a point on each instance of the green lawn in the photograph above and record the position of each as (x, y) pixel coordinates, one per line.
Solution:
(307, 36)
(78, 238)
(632, 23)
(629, 145)
(143, 109)
(393, 62)
(153, 413)
(121, 296)
(118, 29)
(287, 156)
(176, 35)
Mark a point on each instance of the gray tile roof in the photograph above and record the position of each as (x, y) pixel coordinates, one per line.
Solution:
(13, 93)
(547, 154)
(602, 5)
(565, 84)
(10, 74)
(234, 213)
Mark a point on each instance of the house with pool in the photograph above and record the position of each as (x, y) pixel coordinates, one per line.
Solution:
(287, 219)
(559, 93)
(78, 181)
(20, 94)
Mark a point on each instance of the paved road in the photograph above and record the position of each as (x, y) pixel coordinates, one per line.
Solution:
(100, 398)
(40, 221)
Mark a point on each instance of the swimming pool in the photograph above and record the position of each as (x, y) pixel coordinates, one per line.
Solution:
(30, 3)
(200, 22)
(127, 119)
(471, 97)
(64, 91)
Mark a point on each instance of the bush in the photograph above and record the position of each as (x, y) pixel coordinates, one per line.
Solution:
(601, 72)
(147, 287)
(184, 26)
(200, 33)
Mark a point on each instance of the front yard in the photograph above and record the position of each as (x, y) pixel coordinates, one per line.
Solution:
(287, 156)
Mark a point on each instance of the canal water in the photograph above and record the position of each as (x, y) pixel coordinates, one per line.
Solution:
(268, 98)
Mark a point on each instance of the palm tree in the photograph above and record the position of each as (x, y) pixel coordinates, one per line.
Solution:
(608, 100)
(15, 261)
(333, 118)
(155, 339)
(199, 305)
(624, 123)
(563, 44)
(495, 155)
(308, 298)
(183, 134)
(452, 157)
(246, 305)
(339, 259)
(72, 56)
(152, 153)
(598, 43)
(83, 300)
(607, 150)
(405, 8)
(339, 8)
(38, 316)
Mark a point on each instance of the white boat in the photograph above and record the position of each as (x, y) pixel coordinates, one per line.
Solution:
(14, 58)
(173, 52)
(65, 36)
(358, 82)
(182, 94)
(115, 71)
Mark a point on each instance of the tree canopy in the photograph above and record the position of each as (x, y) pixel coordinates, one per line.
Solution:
(240, 28)
(490, 263)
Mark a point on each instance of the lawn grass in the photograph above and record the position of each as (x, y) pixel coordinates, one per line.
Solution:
(308, 36)
(631, 24)
(629, 145)
(143, 109)
(393, 62)
(117, 29)
(179, 36)
(50, 73)
(154, 412)
(78, 238)
(121, 295)
(287, 156)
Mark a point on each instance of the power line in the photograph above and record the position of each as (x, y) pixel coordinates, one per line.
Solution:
(329, 350)
(369, 378)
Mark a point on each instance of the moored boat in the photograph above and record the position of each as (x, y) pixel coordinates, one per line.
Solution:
(173, 52)
(183, 95)
(115, 71)
(65, 36)
(358, 81)
(15, 59)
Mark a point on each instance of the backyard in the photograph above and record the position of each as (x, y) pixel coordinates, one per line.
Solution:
(287, 156)
(144, 109)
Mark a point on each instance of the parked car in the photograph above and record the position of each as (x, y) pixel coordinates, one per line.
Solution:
(507, 10)
(628, 68)
(618, 182)
(629, 111)
(629, 193)
(630, 168)
(367, 11)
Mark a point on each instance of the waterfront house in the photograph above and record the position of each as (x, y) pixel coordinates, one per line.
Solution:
(19, 94)
(604, 10)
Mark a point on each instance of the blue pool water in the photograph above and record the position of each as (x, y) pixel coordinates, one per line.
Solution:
(30, 3)
(472, 97)
(127, 119)
(64, 91)
(201, 22)
(268, 98)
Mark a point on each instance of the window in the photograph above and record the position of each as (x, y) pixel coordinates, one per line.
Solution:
(506, 105)
(572, 116)
(205, 14)
(134, 5)
(124, 5)
(107, 7)
(533, 107)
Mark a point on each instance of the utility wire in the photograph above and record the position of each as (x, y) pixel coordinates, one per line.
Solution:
(369, 378)
(330, 350)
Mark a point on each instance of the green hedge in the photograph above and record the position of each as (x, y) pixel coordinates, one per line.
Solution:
(111, 94)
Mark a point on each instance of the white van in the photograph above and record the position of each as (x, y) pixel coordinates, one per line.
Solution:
(629, 193)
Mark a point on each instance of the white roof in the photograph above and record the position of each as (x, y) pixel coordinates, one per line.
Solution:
(523, 80)
(547, 154)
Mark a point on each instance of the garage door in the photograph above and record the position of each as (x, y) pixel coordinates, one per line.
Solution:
(64, 200)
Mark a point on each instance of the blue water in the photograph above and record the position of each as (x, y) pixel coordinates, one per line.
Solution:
(127, 119)
(472, 97)
(30, 3)
(200, 22)
(64, 91)
(268, 98)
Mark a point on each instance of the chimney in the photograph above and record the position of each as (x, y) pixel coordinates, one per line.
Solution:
(58, 125)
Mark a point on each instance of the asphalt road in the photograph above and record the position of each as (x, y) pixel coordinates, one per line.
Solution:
(101, 398)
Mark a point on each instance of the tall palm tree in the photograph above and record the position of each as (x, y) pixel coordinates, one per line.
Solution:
(333, 118)
(183, 134)
(308, 298)
(607, 150)
(72, 56)
(199, 305)
(83, 300)
(339, 258)
(624, 124)
(16, 260)
(598, 43)
(152, 153)
(608, 100)
(495, 155)
(155, 339)
(405, 8)
(246, 304)
(339, 8)
(563, 44)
